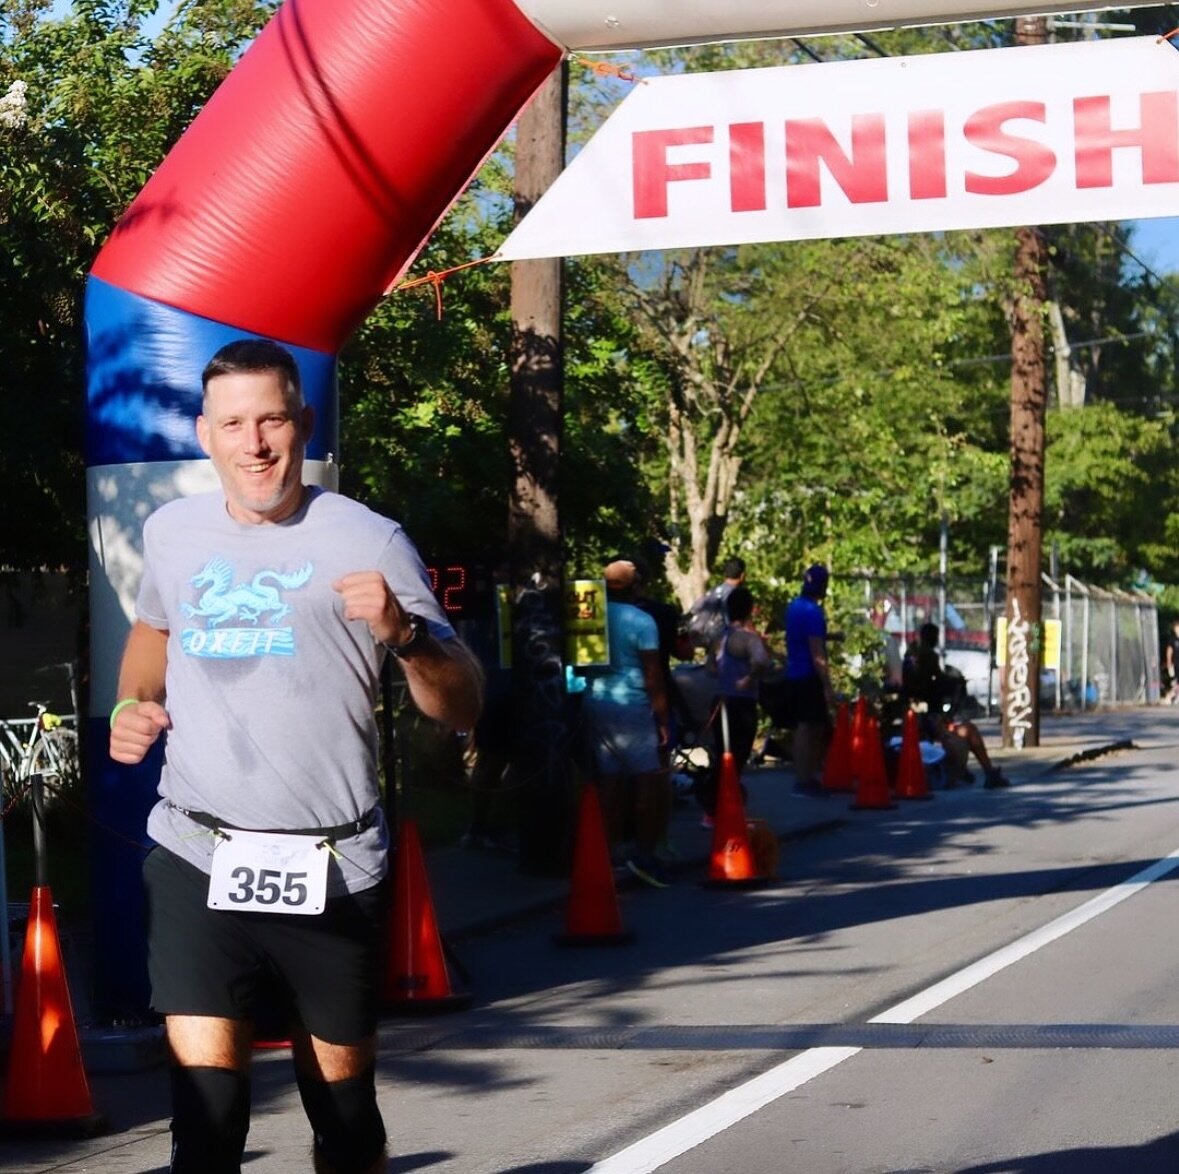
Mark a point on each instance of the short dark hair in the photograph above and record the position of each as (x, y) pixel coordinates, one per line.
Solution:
(929, 634)
(734, 568)
(248, 356)
(739, 603)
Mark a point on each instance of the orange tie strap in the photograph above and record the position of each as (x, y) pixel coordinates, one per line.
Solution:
(436, 279)
(604, 68)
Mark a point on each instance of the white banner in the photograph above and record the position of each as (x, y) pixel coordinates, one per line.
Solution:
(983, 139)
(627, 24)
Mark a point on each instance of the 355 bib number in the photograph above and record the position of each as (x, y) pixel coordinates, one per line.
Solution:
(265, 872)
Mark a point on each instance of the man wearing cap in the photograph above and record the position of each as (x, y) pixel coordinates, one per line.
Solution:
(627, 709)
(810, 698)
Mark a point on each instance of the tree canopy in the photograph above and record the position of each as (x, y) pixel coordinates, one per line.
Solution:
(823, 399)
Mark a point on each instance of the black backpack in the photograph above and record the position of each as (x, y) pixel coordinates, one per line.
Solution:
(707, 619)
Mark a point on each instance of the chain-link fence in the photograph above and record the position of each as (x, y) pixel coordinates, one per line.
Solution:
(1109, 640)
(1109, 653)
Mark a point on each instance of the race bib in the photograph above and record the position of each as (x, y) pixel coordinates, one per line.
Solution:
(268, 872)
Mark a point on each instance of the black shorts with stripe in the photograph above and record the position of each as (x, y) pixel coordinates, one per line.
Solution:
(321, 970)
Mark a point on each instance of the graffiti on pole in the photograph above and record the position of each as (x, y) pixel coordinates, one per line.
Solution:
(1019, 692)
(541, 679)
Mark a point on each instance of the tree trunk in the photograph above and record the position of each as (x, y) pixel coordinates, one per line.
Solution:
(534, 523)
(1029, 398)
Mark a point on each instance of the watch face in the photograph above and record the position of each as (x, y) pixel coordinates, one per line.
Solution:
(419, 632)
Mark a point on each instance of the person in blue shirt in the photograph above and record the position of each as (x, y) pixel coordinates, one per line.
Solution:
(809, 696)
(627, 710)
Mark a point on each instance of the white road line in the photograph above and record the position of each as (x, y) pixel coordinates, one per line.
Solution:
(735, 1105)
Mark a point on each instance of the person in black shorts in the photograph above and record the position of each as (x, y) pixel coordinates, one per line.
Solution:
(808, 693)
(265, 613)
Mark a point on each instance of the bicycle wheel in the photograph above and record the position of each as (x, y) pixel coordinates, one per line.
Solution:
(55, 757)
(7, 775)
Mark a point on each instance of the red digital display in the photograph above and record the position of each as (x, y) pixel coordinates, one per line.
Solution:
(449, 585)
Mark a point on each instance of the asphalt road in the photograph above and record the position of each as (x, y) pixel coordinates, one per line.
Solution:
(966, 985)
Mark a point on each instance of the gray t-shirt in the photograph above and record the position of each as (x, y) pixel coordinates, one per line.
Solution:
(270, 690)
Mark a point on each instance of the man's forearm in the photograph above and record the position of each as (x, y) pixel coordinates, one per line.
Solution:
(143, 669)
(446, 683)
(824, 673)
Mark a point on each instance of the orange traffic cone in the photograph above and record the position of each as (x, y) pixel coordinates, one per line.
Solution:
(592, 917)
(732, 860)
(837, 767)
(417, 978)
(46, 1091)
(872, 781)
(858, 741)
(911, 780)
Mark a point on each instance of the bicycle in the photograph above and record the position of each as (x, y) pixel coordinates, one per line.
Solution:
(49, 750)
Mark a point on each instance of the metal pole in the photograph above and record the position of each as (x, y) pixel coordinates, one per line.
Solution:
(1085, 653)
(5, 940)
(992, 591)
(1068, 618)
(40, 862)
(904, 617)
(1113, 654)
(1059, 656)
(943, 563)
(1143, 685)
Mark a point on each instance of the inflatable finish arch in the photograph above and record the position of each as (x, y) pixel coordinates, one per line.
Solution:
(299, 194)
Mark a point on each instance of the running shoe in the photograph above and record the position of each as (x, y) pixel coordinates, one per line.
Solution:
(649, 870)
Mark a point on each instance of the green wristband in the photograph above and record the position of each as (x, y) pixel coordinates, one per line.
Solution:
(122, 705)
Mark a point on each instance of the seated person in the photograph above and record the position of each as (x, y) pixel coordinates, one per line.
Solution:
(929, 685)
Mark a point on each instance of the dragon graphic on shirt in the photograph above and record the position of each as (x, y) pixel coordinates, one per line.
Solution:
(246, 603)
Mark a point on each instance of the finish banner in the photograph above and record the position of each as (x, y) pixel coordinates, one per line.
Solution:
(981, 139)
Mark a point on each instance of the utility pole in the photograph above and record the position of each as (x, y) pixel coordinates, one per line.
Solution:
(1020, 690)
(536, 553)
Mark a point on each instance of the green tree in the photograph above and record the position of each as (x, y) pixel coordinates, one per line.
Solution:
(1107, 468)
(93, 106)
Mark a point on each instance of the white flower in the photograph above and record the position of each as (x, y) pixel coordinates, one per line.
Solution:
(12, 105)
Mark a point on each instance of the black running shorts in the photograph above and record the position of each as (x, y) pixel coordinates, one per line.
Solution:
(322, 969)
(806, 703)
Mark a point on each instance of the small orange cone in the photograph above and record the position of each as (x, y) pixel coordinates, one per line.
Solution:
(46, 1092)
(732, 860)
(911, 780)
(417, 978)
(859, 741)
(872, 791)
(592, 917)
(837, 767)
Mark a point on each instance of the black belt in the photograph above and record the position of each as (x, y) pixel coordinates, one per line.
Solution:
(341, 831)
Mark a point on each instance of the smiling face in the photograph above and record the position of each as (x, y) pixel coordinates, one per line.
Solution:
(256, 441)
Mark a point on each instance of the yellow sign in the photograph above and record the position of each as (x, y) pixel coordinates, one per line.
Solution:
(1049, 654)
(587, 639)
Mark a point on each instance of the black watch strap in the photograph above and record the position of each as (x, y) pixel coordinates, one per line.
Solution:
(418, 635)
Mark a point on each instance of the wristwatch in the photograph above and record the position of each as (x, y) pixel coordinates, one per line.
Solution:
(419, 633)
